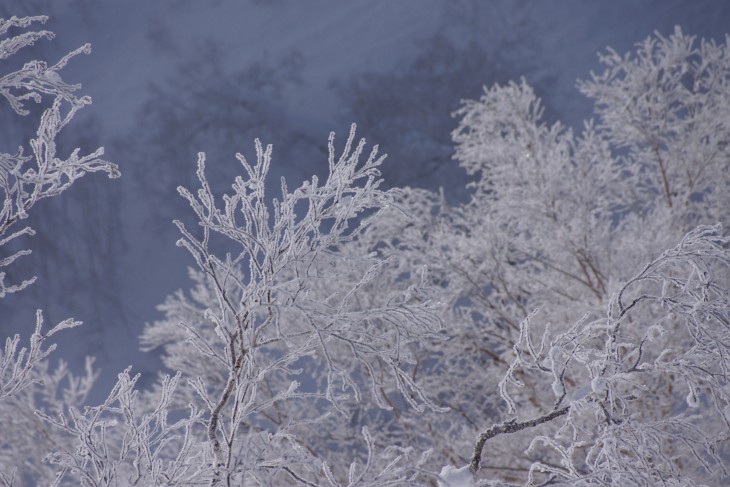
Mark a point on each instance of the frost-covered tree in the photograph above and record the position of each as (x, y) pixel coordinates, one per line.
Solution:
(569, 325)
(26, 177)
(82, 230)
(277, 345)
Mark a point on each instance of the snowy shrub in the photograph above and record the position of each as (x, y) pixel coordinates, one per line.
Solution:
(569, 325)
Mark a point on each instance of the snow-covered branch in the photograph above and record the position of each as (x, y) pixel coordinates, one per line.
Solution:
(27, 178)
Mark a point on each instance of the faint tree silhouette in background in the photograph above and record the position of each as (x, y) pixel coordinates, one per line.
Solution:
(205, 106)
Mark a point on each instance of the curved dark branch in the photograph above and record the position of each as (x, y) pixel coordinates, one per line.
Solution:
(511, 426)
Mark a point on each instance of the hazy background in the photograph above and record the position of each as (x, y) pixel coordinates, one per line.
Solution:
(172, 78)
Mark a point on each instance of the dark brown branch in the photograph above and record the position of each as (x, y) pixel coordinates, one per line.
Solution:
(511, 426)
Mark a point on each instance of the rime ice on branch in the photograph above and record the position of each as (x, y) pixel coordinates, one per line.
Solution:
(27, 178)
